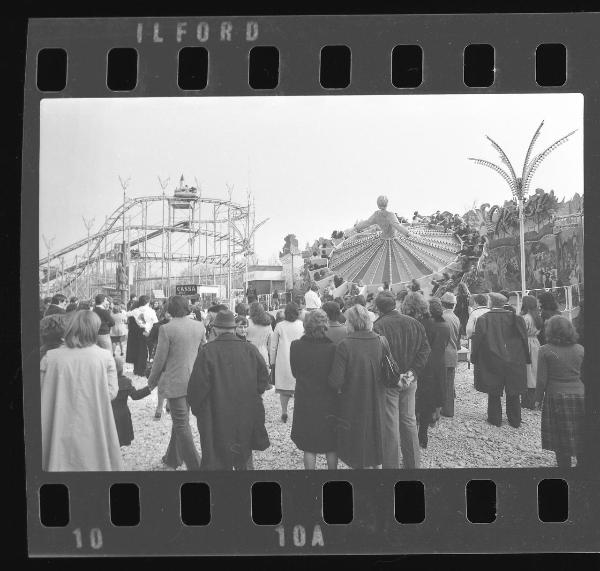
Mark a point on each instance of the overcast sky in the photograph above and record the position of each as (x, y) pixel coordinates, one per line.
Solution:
(314, 164)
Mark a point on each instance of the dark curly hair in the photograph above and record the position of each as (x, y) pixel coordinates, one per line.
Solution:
(414, 305)
(291, 312)
(436, 310)
(560, 331)
(258, 315)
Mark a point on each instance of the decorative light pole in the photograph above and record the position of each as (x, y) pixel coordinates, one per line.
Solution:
(519, 186)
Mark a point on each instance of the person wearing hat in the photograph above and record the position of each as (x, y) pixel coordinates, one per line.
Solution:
(500, 353)
(451, 355)
(224, 393)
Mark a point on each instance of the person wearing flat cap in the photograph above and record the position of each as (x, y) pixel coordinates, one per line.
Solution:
(451, 355)
(224, 393)
(500, 353)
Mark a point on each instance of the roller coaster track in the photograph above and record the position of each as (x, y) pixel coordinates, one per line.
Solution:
(237, 212)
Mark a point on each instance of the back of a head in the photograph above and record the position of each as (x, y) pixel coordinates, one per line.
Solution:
(360, 300)
(258, 314)
(560, 331)
(382, 202)
(99, 299)
(480, 299)
(144, 300)
(242, 309)
(216, 308)
(178, 306)
(314, 287)
(385, 301)
(359, 319)
(291, 311)
(82, 329)
(332, 310)
(497, 300)
(436, 311)
(58, 298)
(415, 306)
(315, 324)
(52, 328)
(401, 295)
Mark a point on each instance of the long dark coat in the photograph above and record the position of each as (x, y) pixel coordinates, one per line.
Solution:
(313, 429)
(356, 373)
(431, 383)
(224, 392)
(121, 410)
(137, 348)
(500, 353)
(461, 311)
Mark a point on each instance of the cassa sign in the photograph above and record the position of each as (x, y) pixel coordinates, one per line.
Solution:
(190, 289)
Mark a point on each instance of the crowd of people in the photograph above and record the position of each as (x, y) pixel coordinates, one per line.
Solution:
(369, 375)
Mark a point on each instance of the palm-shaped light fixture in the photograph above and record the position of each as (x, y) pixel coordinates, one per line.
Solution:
(519, 186)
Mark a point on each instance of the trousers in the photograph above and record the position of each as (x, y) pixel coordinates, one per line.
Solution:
(449, 393)
(181, 446)
(399, 430)
(513, 410)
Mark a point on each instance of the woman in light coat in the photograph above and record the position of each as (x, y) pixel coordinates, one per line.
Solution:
(288, 330)
(260, 330)
(533, 324)
(78, 383)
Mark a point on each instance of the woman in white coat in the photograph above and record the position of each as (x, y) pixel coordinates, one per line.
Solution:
(78, 382)
(288, 330)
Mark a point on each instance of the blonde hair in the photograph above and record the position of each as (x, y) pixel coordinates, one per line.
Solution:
(358, 317)
(315, 323)
(82, 330)
(382, 202)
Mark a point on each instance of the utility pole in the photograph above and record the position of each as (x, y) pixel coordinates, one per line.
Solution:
(163, 185)
(88, 223)
(230, 193)
(124, 258)
(48, 242)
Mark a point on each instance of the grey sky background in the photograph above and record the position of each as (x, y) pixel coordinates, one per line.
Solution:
(313, 164)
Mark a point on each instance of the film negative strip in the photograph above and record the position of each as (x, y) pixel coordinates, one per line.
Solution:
(292, 128)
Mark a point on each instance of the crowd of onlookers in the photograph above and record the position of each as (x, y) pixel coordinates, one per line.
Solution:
(369, 374)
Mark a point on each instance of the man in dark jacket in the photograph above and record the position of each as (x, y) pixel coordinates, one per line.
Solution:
(57, 305)
(224, 392)
(500, 354)
(106, 321)
(410, 348)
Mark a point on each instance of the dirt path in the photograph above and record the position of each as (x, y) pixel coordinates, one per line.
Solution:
(463, 441)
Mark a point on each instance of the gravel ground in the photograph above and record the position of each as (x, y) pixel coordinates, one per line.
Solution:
(465, 441)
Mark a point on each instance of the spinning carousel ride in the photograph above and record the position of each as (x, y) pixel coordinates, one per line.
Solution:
(380, 249)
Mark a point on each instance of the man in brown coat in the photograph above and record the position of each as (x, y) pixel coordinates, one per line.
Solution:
(500, 354)
(224, 392)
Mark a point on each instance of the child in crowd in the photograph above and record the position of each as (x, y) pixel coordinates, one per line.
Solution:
(241, 327)
(119, 404)
(118, 332)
